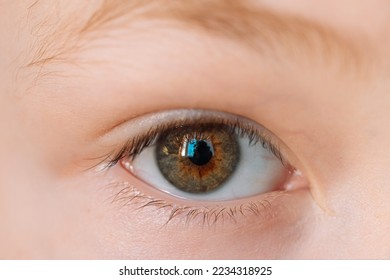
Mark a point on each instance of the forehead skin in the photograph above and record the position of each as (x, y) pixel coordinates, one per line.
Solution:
(318, 71)
(55, 31)
(50, 27)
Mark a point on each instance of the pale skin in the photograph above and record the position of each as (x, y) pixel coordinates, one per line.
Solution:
(330, 111)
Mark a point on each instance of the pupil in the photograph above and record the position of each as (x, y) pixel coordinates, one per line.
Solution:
(202, 152)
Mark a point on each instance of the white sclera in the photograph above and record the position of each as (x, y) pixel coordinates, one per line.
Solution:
(258, 171)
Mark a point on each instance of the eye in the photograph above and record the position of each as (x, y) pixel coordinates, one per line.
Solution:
(208, 158)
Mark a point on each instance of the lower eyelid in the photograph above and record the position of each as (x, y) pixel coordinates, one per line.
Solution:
(136, 197)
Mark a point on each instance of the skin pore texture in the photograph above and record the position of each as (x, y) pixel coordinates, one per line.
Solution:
(77, 80)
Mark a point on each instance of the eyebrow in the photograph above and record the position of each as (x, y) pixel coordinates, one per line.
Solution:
(282, 35)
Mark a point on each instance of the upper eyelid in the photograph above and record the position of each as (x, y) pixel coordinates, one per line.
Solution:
(137, 125)
(150, 124)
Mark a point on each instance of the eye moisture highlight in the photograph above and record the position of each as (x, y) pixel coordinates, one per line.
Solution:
(199, 155)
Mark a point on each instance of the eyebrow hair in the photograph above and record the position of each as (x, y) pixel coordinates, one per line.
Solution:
(260, 28)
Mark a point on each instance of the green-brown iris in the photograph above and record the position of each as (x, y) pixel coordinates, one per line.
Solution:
(198, 158)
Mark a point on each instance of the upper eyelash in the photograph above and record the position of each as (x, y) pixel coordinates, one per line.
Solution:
(136, 145)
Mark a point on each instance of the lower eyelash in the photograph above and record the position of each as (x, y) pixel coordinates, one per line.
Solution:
(207, 216)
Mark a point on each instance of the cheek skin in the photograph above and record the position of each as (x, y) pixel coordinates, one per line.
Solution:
(143, 233)
(84, 223)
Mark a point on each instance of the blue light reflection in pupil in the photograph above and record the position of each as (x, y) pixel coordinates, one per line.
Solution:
(199, 152)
